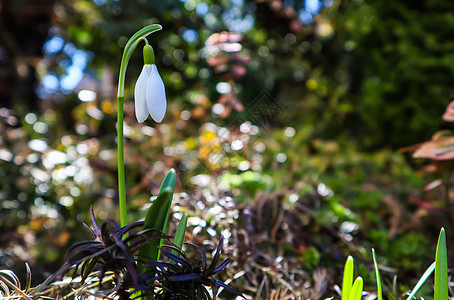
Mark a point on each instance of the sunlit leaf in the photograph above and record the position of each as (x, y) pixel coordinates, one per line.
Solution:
(347, 281)
(180, 232)
(441, 268)
(440, 147)
(421, 281)
(357, 289)
(158, 215)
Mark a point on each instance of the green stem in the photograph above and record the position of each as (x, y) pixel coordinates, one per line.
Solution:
(129, 49)
(127, 52)
(121, 163)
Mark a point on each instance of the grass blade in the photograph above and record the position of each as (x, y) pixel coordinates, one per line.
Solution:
(377, 275)
(357, 289)
(347, 281)
(421, 281)
(441, 268)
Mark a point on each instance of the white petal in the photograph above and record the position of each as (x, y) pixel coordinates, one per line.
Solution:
(156, 96)
(140, 90)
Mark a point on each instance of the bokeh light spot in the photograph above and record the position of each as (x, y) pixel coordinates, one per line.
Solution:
(190, 35)
(223, 87)
(31, 118)
(86, 95)
(54, 45)
(281, 157)
(202, 8)
(237, 145)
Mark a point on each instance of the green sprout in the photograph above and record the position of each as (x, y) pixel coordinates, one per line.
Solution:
(347, 281)
(354, 290)
(377, 276)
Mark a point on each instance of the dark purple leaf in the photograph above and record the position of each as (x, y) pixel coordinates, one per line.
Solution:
(229, 288)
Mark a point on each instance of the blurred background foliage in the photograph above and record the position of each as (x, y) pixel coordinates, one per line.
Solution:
(284, 120)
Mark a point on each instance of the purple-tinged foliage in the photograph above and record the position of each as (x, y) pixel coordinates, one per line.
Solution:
(112, 258)
(181, 279)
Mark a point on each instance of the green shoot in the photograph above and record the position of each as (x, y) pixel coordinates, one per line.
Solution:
(167, 184)
(377, 275)
(347, 281)
(158, 215)
(441, 268)
(155, 220)
(357, 289)
(179, 234)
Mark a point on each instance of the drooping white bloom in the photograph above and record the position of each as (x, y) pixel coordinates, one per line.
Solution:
(150, 95)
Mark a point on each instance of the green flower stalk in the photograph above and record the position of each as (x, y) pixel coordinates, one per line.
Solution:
(128, 50)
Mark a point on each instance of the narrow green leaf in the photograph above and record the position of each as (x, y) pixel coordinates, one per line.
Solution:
(394, 288)
(158, 215)
(421, 281)
(347, 281)
(357, 289)
(181, 230)
(168, 184)
(179, 234)
(441, 268)
(168, 181)
(377, 275)
(156, 218)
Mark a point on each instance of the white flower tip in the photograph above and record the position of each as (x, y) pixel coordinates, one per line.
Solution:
(156, 96)
(159, 111)
(140, 97)
(158, 119)
(140, 119)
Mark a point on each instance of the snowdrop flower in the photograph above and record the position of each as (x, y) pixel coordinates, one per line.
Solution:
(149, 92)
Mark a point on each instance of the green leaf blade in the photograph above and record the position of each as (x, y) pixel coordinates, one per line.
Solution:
(158, 215)
(347, 281)
(421, 281)
(441, 268)
(181, 230)
(168, 182)
(156, 219)
(178, 240)
(377, 276)
(357, 289)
